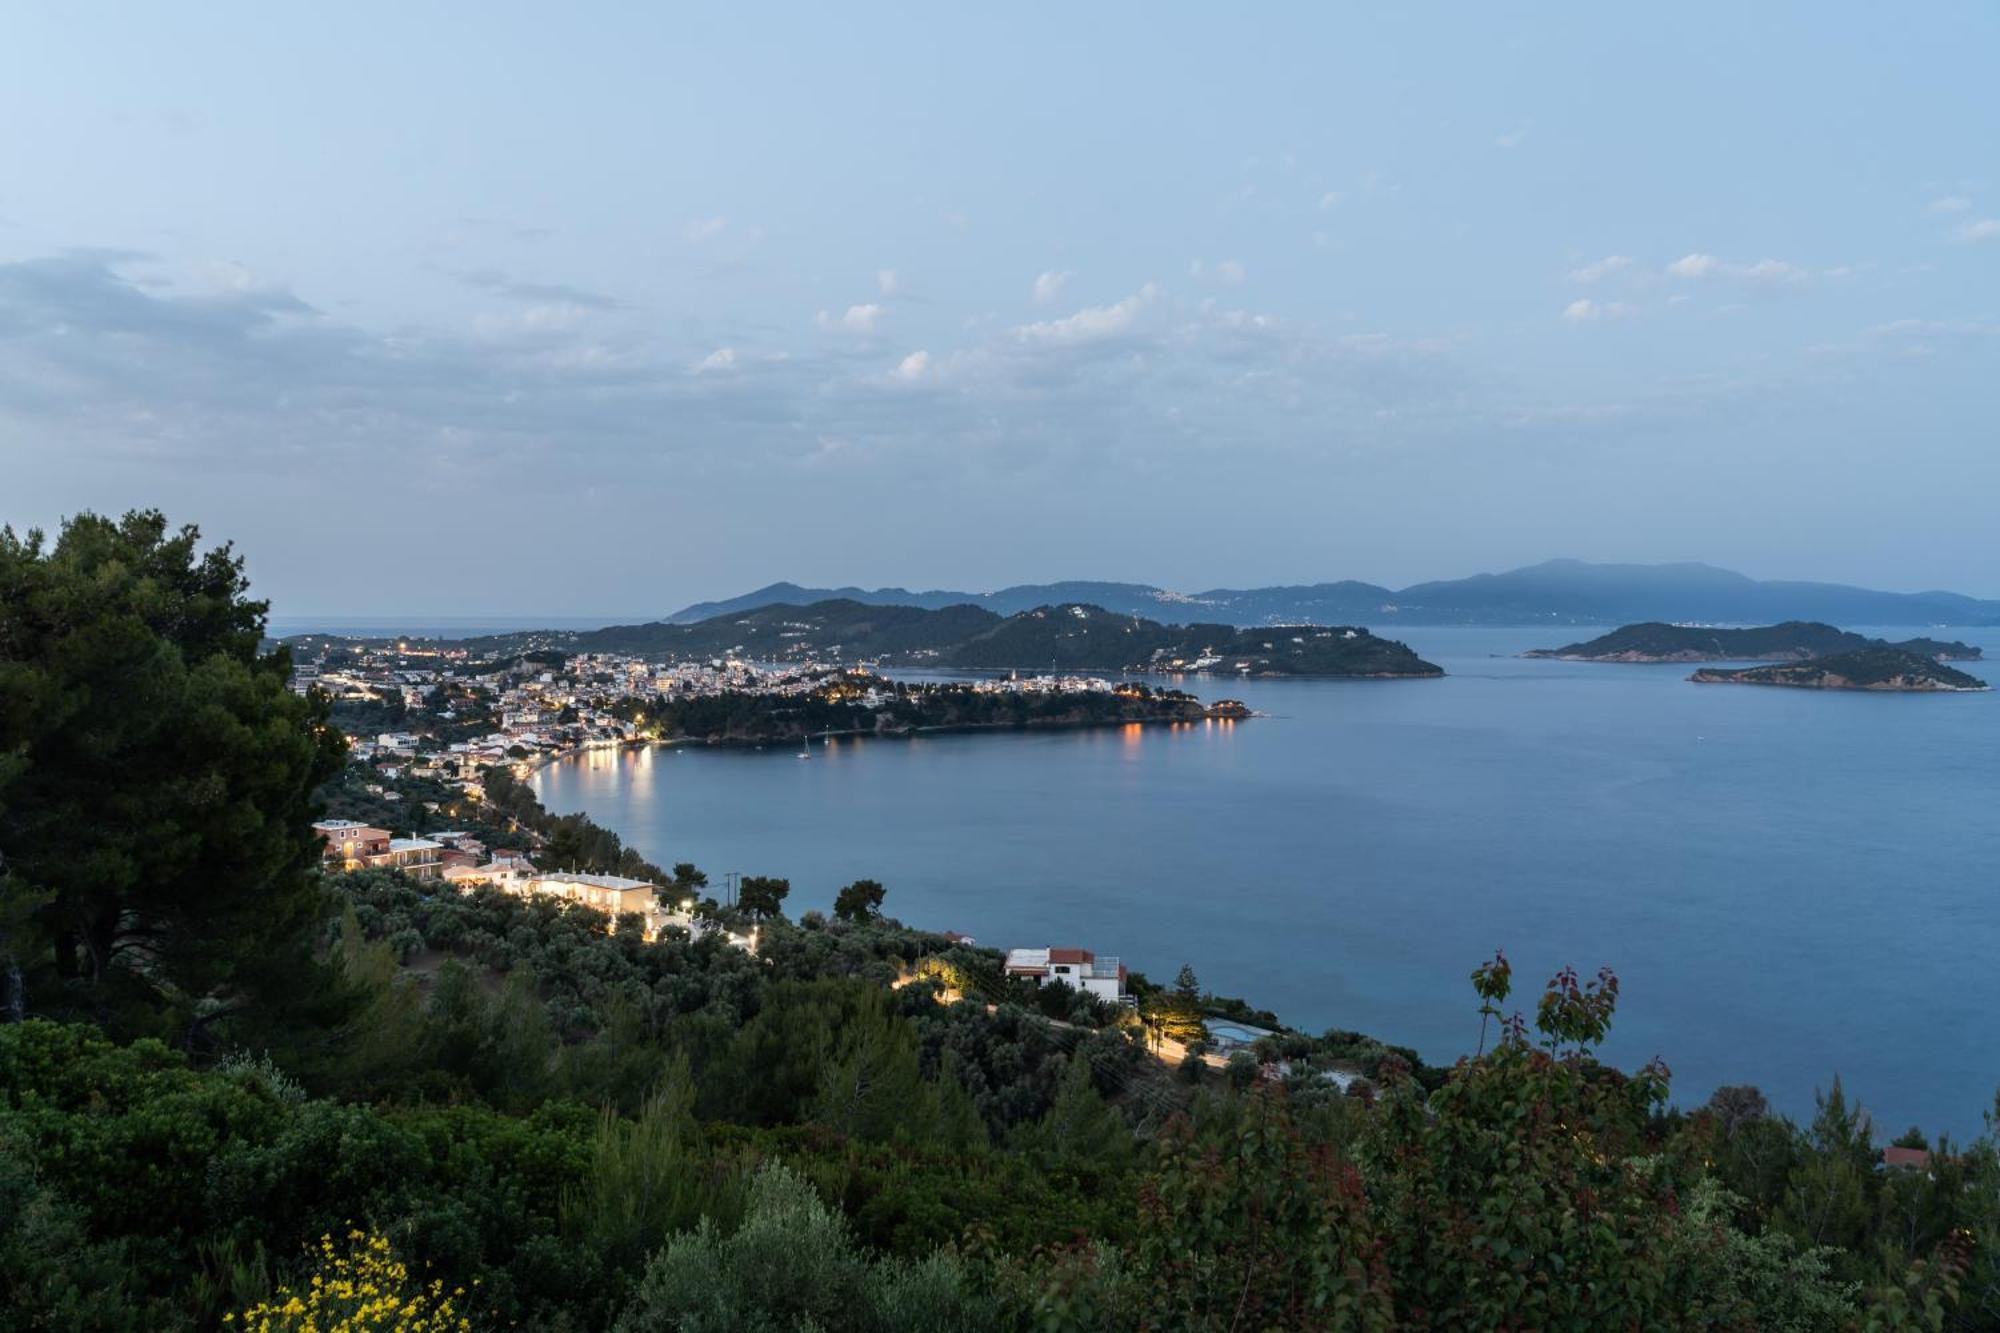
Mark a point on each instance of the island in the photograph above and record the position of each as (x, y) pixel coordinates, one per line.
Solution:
(1865, 669)
(1791, 641)
(1080, 637)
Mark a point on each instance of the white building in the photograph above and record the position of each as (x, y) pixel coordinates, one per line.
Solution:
(1079, 968)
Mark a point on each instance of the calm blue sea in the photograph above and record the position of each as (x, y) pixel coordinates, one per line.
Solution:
(1789, 884)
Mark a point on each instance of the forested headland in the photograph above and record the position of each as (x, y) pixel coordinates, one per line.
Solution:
(238, 1092)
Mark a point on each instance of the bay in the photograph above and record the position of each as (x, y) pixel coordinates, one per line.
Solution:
(1789, 884)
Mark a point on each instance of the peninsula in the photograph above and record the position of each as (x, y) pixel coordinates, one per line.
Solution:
(1792, 641)
(1885, 668)
(1071, 637)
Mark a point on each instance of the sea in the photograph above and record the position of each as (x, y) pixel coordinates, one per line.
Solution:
(1790, 885)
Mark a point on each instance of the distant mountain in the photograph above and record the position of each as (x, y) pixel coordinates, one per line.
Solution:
(838, 626)
(1559, 592)
(791, 594)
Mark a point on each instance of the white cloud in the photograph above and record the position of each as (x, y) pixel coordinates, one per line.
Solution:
(914, 366)
(1049, 285)
(1228, 272)
(1092, 323)
(1600, 269)
(705, 229)
(1329, 201)
(1765, 272)
(1511, 139)
(721, 359)
(887, 281)
(1586, 311)
(1951, 203)
(1983, 230)
(858, 319)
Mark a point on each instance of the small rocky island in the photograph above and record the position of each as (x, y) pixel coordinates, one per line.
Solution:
(1792, 641)
(1866, 669)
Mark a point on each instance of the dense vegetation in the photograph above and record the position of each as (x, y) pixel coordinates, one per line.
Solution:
(836, 627)
(1089, 638)
(743, 718)
(1794, 640)
(1866, 669)
(477, 1111)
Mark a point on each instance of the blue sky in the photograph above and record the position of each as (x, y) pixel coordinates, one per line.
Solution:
(494, 308)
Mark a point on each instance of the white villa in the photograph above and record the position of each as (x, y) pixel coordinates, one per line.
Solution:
(1080, 968)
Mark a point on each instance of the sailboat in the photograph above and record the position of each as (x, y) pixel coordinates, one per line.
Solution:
(806, 748)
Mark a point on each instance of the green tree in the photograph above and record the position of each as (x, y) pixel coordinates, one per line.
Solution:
(160, 798)
(1527, 1191)
(859, 901)
(792, 1266)
(1250, 1226)
(762, 896)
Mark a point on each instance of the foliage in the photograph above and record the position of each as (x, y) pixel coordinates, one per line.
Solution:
(859, 901)
(794, 1265)
(157, 800)
(360, 1287)
(763, 897)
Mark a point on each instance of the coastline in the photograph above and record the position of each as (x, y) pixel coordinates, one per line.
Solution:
(539, 762)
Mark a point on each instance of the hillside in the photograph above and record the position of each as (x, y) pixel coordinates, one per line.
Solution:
(1792, 641)
(1868, 669)
(1563, 592)
(836, 628)
(1069, 637)
(1078, 638)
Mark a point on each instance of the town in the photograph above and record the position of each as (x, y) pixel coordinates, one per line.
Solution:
(432, 727)
(438, 711)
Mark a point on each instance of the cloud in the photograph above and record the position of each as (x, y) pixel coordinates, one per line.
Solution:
(163, 385)
(546, 293)
(1600, 269)
(1937, 328)
(857, 319)
(705, 229)
(1091, 324)
(1329, 201)
(1227, 272)
(1951, 203)
(1586, 311)
(887, 281)
(1985, 229)
(1511, 139)
(1049, 285)
(1763, 272)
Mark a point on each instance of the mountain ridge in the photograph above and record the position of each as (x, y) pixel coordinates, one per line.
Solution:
(1561, 591)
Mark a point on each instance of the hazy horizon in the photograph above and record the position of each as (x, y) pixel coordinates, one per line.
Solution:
(495, 308)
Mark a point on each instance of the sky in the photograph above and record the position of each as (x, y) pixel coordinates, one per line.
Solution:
(470, 309)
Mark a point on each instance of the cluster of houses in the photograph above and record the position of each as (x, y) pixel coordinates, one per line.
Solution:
(461, 861)
(1016, 683)
(537, 711)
